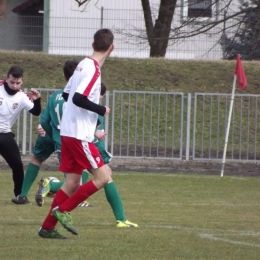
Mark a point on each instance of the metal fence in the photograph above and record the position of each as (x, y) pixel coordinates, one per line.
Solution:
(73, 36)
(168, 125)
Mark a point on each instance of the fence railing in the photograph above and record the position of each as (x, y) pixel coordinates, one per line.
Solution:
(169, 125)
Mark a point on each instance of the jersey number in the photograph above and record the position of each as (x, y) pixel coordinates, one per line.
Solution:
(59, 115)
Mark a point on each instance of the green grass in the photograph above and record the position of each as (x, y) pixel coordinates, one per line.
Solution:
(180, 216)
(187, 76)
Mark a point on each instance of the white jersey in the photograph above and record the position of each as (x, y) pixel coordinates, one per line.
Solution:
(78, 122)
(11, 106)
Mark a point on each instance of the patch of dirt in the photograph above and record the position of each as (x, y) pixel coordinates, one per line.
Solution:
(158, 165)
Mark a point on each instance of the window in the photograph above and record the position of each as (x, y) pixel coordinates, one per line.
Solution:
(199, 8)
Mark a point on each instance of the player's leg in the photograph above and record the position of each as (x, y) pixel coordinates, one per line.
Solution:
(84, 179)
(71, 183)
(10, 152)
(116, 204)
(30, 175)
(44, 185)
(111, 192)
(100, 173)
(55, 186)
(43, 148)
(47, 186)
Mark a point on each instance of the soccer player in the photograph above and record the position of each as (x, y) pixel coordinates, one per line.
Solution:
(12, 101)
(78, 125)
(111, 191)
(46, 145)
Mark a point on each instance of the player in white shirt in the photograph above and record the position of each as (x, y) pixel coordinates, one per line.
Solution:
(12, 101)
(78, 151)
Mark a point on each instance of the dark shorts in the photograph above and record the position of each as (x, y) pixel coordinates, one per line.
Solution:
(44, 147)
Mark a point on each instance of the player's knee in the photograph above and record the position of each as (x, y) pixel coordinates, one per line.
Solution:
(109, 172)
(71, 185)
(36, 161)
(101, 180)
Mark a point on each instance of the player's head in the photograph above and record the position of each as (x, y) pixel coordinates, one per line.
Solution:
(69, 67)
(14, 78)
(103, 90)
(103, 41)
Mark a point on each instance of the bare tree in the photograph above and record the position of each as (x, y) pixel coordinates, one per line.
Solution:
(201, 18)
(160, 34)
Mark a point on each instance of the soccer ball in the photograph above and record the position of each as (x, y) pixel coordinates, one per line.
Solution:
(52, 179)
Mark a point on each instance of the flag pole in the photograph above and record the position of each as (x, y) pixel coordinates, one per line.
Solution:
(228, 125)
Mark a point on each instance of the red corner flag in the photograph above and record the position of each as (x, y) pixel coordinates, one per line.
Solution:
(241, 76)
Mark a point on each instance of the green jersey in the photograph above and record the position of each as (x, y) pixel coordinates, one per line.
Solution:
(51, 116)
(106, 156)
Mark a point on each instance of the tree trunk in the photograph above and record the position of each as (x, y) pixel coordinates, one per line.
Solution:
(158, 35)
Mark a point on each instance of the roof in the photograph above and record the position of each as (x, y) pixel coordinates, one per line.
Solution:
(29, 5)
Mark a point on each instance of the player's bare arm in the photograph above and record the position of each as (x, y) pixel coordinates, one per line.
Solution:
(36, 98)
(35, 94)
(41, 131)
(100, 134)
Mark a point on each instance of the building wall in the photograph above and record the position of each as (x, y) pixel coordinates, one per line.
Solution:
(71, 29)
(20, 32)
(8, 28)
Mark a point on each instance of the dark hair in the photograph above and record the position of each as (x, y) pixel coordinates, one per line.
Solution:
(15, 71)
(103, 39)
(103, 89)
(69, 67)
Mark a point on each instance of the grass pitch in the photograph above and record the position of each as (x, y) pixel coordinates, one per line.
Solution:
(180, 216)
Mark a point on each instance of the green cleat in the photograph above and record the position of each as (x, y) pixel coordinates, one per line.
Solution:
(65, 219)
(125, 224)
(42, 192)
(50, 233)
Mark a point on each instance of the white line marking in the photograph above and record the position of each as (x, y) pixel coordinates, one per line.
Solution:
(211, 237)
(195, 229)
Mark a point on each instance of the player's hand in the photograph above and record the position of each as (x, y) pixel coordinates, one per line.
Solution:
(41, 130)
(100, 134)
(107, 111)
(35, 94)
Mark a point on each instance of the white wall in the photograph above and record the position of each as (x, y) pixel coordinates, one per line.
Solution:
(71, 30)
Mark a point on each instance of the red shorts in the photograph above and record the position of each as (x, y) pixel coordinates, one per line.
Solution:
(78, 155)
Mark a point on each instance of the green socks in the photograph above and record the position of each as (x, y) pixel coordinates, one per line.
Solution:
(30, 176)
(115, 201)
(84, 177)
(55, 186)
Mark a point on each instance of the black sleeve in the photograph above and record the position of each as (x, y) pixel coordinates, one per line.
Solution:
(65, 96)
(83, 102)
(36, 110)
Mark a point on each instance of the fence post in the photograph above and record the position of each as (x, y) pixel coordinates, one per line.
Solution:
(24, 128)
(102, 17)
(106, 119)
(187, 157)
